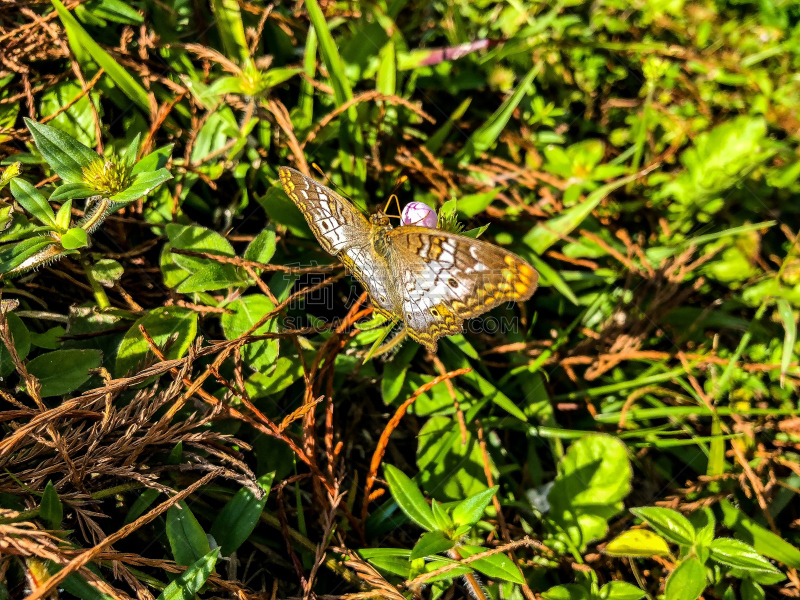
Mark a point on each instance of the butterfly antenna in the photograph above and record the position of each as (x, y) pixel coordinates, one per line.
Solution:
(400, 181)
(331, 183)
(328, 181)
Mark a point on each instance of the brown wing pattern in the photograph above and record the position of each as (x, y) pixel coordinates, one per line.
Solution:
(444, 278)
(335, 222)
(341, 230)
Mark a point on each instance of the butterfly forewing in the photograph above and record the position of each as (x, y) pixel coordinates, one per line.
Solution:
(445, 278)
(341, 230)
(335, 222)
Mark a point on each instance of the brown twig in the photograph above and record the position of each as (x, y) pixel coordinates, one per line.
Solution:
(417, 581)
(84, 558)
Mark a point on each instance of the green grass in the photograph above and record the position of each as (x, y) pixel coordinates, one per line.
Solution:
(643, 158)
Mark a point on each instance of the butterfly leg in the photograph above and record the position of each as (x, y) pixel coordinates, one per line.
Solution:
(388, 349)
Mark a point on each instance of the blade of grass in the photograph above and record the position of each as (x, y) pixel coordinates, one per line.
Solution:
(544, 235)
(78, 37)
(487, 134)
(351, 138)
(231, 30)
(674, 412)
(435, 142)
(306, 102)
(787, 316)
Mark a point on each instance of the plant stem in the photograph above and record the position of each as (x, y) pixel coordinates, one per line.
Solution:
(641, 135)
(99, 293)
(638, 577)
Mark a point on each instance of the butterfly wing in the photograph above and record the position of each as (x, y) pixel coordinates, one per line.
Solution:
(341, 230)
(444, 278)
(335, 222)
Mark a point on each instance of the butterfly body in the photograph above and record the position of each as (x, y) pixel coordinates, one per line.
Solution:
(432, 280)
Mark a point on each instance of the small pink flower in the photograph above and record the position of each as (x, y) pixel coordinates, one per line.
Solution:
(419, 214)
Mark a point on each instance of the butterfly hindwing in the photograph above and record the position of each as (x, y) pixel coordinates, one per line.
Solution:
(445, 278)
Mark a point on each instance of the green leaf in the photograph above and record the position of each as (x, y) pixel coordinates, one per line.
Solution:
(161, 324)
(129, 157)
(154, 161)
(80, 40)
(247, 311)
(62, 371)
(117, 11)
(496, 566)
(13, 170)
(448, 575)
(29, 253)
(142, 185)
(475, 233)
(432, 542)
(570, 591)
(687, 581)
(394, 373)
(668, 523)
(443, 520)
(750, 590)
(186, 537)
(197, 239)
(107, 271)
(71, 191)
(75, 238)
(273, 77)
(592, 480)
(261, 249)
(22, 344)
(213, 276)
(239, 517)
(789, 325)
(386, 77)
(716, 454)
(330, 54)
(351, 152)
(469, 511)
(637, 542)
(449, 470)
(33, 201)
(737, 554)
(192, 579)
(472, 204)
(285, 373)
(763, 541)
(65, 155)
(51, 510)
(409, 498)
(620, 590)
(64, 216)
(141, 504)
(394, 565)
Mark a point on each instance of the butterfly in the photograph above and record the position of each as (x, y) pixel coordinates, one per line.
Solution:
(430, 279)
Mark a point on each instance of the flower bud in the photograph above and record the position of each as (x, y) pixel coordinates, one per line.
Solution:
(419, 214)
